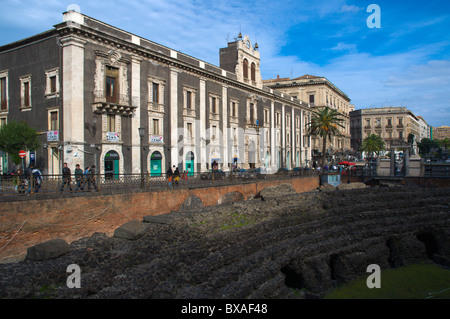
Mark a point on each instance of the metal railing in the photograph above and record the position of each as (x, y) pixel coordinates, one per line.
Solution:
(15, 185)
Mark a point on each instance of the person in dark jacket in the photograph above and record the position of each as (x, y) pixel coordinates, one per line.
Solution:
(79, 177)
(66, 177)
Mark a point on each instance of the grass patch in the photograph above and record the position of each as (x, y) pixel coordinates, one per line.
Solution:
(420, 281)
(236, 220)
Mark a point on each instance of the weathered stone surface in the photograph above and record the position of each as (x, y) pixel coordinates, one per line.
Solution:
(327, 187)
(192, 203)
(47, 250)
(293, 246)
(277, 191)
(230, 198)
(355, 185)
(130, 230)
(159, 219)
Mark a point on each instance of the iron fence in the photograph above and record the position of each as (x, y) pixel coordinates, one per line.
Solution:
(15, 185)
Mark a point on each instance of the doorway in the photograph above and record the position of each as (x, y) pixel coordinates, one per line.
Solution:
(190, 163)
(112, 165)
(155, 164)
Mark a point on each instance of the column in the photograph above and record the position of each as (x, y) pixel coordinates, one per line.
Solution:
(302, 124)
(293, 134)
(272, 134)
(225, 127)
(283, 136)
(73, 100)
(173, 117)
(202, 133)
(136, 118)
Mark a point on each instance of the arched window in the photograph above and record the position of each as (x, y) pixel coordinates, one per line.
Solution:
(245, 67)
(253, 71)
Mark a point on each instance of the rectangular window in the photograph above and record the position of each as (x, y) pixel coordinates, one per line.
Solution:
(111, 123)
(26, 94)
(214, 132)
(188, 99)
(189, 129)
(112, 75)
(155, 92)
(311, 99)
(2, 121)
(3, 92)
(213, 105)
(54, 125)
(53, 84)
(233, 109)
(252, 113)
(155, 127)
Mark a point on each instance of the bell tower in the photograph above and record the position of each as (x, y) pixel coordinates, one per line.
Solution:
(243, 59)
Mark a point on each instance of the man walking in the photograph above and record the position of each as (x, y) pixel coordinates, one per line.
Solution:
(91, 177)
(66, 178)
(79, 177)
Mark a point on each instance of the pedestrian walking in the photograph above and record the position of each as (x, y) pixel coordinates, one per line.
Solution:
(176, 176)
(169, 176)
(79, 178)
(92, 178)
(66, 178)
(37, 178)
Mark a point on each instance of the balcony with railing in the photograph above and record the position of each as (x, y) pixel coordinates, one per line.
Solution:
(156, 107)
(119, 105)
(214, 116)
(189, 112)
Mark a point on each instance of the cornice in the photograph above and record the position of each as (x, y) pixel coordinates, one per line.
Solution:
(90, 35)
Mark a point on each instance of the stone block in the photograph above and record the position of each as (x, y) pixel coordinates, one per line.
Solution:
(159, 219)
(131, 230)
(47, 250)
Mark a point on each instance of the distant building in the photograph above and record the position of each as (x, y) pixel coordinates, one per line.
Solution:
(319, 92)
(425, 129)
(390, 123)
(441, 132)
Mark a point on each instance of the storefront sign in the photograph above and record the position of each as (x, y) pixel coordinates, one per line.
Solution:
(112, 137)
(52, 136)
(156, 139)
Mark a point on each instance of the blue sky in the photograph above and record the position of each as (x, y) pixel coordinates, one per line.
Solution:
(406, 62)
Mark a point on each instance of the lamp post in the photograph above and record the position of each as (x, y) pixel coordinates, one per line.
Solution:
(141, 135)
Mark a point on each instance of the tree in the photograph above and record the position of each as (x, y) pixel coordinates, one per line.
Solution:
(445, 143)
(426, 145)
(373, 144)
(324, 123)
(17, 136)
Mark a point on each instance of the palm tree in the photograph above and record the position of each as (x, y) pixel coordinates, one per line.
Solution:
(324, 123)
(373, 144)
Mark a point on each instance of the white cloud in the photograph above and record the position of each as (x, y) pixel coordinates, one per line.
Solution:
(350, 8)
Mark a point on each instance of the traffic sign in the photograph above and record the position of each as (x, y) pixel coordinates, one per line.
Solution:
(22, 154)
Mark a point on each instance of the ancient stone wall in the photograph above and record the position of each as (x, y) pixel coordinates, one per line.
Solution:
(27, 222)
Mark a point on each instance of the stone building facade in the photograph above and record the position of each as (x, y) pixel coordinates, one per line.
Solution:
(319, 92)
(441, 132)
(88, 87)
(391, 123)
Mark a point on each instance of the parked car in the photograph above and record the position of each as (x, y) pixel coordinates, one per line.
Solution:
(218, 174)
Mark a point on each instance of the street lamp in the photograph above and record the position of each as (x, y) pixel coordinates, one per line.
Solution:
(141, 135)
